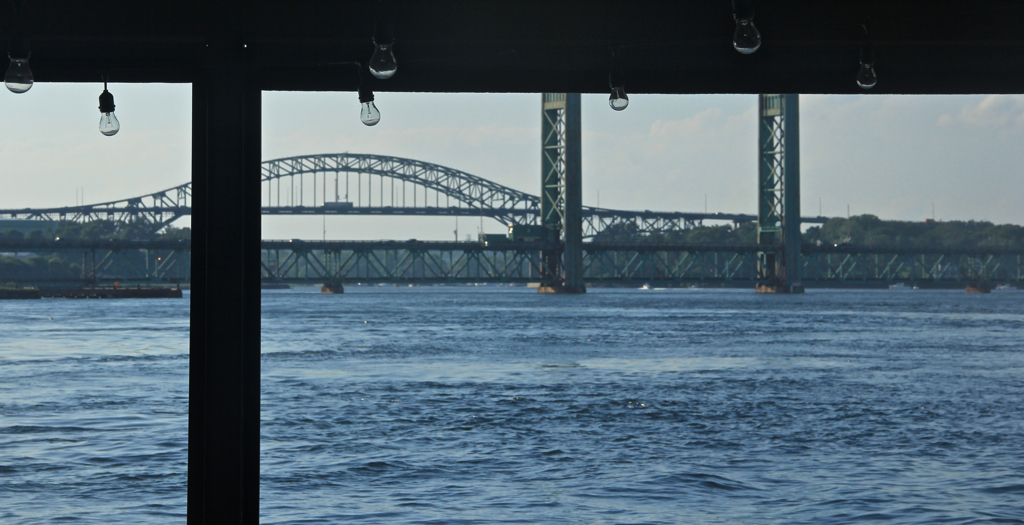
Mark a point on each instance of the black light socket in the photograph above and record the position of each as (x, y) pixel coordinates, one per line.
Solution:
(742, 9)
(384, 31)
(365, 94)
(106, 101)
(17, 48)
(616, 78)
(867, 54)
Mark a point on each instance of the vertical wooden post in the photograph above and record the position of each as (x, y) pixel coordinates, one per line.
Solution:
(224, 365)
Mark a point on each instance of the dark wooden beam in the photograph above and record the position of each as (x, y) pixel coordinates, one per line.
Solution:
(541, 46)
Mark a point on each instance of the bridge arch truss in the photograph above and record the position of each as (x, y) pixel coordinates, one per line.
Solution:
(383, 184)
(365, 184)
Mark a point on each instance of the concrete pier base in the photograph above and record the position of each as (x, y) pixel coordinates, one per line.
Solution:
(778, 288)
(332, 288)
(560, 288)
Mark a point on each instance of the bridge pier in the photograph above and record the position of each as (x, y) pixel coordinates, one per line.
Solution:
(778, 209)
(561, 196)
(333, 288)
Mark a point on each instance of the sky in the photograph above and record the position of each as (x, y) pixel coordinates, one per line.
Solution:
(891, 156)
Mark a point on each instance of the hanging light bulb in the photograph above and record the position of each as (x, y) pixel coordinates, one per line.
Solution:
(746, 39)
(618, 99)
(109, 126)
(368, 114)
(19, 77)
(866, 77)
(382, 63)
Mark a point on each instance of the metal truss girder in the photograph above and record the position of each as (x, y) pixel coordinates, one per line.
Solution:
(927, 265)
(553, 161)
(132, 261)
(316, 263)
(936, 267)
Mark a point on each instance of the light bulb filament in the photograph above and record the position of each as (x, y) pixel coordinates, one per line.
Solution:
(109, 125)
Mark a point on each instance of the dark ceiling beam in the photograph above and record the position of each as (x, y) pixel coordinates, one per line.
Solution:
(534, 46)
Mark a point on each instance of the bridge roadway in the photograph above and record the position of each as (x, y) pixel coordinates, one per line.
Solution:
(595, 220)
(425, 262)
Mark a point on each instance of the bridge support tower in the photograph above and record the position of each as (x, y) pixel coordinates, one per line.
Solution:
(561, 195)
(778, 185)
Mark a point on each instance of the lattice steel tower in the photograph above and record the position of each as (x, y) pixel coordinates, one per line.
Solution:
(561, 196)
(778, 208)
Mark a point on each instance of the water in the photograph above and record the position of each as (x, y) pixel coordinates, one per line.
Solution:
(499, 405)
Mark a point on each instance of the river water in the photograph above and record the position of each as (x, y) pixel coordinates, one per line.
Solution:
(500, 405)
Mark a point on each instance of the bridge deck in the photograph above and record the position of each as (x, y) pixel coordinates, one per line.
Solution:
(425, 262)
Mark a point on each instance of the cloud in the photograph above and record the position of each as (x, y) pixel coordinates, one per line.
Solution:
(710, 120)
(992, 111)
(451, 137)
(895, 155)
(671, 164)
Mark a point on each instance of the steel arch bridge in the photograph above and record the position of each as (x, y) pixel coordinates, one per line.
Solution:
(377, 185)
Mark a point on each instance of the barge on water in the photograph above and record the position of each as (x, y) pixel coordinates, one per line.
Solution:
(114, 292)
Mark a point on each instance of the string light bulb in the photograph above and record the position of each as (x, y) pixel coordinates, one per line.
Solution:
(109, 125)
(866, 77)
(19, 77)
(382, 63)
(618, 100)
(746, 39)
(368, 114)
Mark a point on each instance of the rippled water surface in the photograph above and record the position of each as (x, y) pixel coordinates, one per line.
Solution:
(499, 405)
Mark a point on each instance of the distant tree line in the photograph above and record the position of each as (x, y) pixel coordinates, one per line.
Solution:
(861, 230)
(872, 231)
(866, 230)
(101, 230)
(60, 265)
